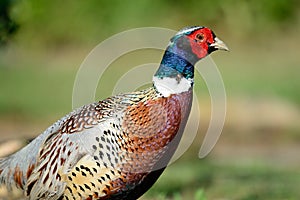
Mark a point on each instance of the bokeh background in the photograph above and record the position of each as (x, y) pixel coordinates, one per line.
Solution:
(257, 156)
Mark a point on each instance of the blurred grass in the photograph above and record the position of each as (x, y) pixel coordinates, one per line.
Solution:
(185, 179)
(35, 90)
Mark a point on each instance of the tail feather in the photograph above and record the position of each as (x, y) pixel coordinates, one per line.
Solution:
(5, 172)
(16, 168)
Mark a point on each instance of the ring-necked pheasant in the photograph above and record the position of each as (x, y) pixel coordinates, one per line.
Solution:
(118, 147)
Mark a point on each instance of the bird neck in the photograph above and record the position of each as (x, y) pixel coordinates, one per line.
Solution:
(174, 75)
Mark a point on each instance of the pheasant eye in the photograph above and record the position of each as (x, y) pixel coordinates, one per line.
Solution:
(200, 37)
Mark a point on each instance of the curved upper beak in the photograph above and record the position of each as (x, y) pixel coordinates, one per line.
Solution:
(219, 44)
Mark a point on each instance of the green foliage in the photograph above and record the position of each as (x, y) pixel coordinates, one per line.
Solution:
(7, 25)
(200, 195)
(58, 23)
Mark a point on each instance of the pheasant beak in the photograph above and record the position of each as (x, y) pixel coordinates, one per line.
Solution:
(219, 44)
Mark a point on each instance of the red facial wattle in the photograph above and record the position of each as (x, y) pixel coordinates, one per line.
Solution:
(200, 48)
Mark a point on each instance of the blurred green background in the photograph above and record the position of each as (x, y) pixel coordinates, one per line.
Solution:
(257, 157)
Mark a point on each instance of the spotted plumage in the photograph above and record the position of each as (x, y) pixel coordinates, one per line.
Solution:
(115, 148)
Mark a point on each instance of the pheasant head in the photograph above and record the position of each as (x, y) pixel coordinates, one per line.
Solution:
(186, 48)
